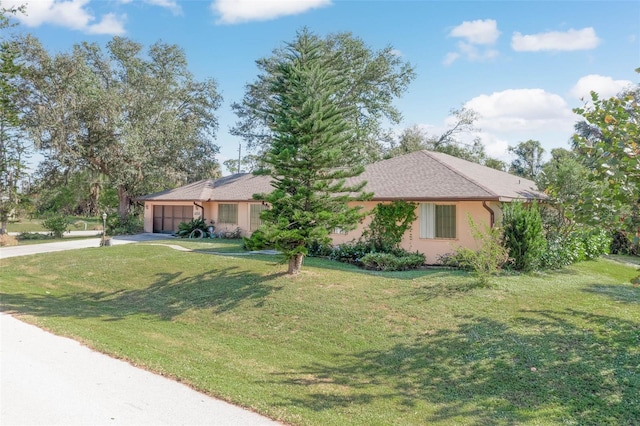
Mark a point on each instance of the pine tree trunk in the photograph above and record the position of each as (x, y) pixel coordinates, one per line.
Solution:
(295, 263)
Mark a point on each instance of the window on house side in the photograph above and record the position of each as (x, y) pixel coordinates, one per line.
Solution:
(437, 220)
(228, 213)
(254, 216)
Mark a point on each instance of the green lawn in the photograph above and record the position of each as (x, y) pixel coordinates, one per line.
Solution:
(338, 346)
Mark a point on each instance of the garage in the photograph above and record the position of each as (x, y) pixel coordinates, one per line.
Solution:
(166, 218)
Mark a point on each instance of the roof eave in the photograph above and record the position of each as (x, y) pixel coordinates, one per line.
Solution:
(485, 198)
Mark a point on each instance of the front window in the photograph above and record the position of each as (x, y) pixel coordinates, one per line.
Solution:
(228, 213)
(254, 216)
(437, 220)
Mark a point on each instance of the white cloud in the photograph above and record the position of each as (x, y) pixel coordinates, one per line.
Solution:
(495, 146)
(477, 32)
(518, 110)
(471, 53)
(237, 11)
(450, 58)
(584, 39)
(71, 14)
(606, 87)
(477, 35)
(172, 5)
(110, 24)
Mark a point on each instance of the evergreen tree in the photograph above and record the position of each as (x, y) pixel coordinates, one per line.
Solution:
(523, 235)
(375, 79)
(310, 155)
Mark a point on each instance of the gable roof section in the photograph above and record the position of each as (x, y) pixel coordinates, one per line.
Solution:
(237, 187)
(426, 175)
(420, 175)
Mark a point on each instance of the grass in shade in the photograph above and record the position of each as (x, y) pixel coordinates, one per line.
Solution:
(338, 346)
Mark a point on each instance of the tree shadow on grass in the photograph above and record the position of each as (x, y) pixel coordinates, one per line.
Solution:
(573, 366)
(624, 293)
(170, 295)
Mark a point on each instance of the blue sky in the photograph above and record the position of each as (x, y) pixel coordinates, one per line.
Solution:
(521, 65)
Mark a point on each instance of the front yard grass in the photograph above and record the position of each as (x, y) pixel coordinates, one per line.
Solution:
(210, 245)
(337, 345)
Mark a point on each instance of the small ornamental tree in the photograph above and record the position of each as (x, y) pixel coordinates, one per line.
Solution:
(389, 224)
(309, 156)
(523, 235)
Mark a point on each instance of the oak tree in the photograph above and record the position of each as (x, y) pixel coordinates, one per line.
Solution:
(139, 118)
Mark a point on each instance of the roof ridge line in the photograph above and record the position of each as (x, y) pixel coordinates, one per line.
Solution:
(205, 187)
(458, 172)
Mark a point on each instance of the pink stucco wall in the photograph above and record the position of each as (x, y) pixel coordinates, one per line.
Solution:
(432, 248)
(210, 212)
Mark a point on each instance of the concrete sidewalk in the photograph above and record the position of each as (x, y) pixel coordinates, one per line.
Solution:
(51, 380)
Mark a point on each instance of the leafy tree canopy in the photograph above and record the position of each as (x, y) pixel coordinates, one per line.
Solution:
(373, 80)
(529, 159)
(449, 142)
(13, 149)
(565, 179)
(609, 141)
(138, 118)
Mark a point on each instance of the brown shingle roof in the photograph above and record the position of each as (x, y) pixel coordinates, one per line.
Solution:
(420, 175)
(426, 175)
(238, 187)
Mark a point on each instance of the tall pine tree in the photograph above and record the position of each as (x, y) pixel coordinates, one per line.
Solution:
(309, 156)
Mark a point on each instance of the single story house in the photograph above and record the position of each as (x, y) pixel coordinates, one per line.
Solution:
(446, 189)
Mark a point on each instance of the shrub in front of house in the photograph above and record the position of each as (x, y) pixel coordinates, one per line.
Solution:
(392, 261)
(379, 246)
(488, 260)
(523, 236)
(351, 252)
(319, 249)
(195, 228)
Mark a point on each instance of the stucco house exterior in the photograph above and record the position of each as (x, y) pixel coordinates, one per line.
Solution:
(447, 190)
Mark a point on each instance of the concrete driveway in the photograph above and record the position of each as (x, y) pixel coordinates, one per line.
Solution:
(51, 380)
(28, 249)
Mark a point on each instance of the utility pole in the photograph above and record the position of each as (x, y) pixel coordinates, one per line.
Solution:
(239, 155)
